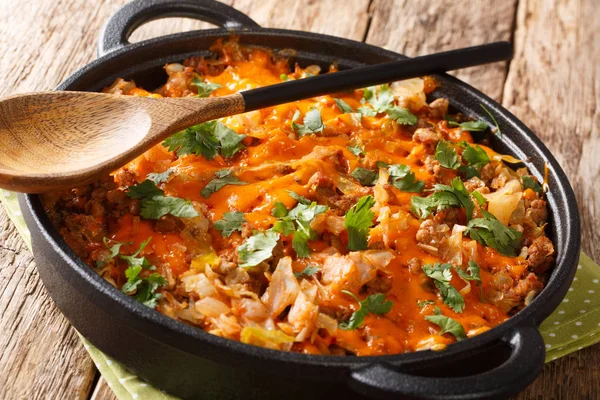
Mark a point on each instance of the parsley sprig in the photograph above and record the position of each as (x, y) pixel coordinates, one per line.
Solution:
(154, 203)
(206, 139)
(357, 221)
(441, 274)
(444, 196)
(223, 177)
(307, 272)
(447, 324)
(257, 248)
(204, 88)
(297, 222)
(381, 99)
(313, 123)
(373, 304)
(232, 221)
(143, 288)
(493, 233)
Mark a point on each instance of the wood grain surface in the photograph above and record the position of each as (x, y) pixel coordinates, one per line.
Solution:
(552, 84)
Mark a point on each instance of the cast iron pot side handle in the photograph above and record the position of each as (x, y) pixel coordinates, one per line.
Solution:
(121, 25)
(520, 369)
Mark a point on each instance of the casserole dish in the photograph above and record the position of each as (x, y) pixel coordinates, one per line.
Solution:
(190, 363)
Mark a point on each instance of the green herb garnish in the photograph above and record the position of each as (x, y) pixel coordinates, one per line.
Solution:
(222, 178)
(358, 220)
(232, 221)
(257, 248)
(373, 304)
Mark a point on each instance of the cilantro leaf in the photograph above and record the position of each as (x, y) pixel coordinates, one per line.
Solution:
(231, 141)
(159, 206)
(114, 251)
(475, 155)
(403, 179)
(223, 178)
(343, 106)
(312, 123)
(367, 111)
(154, 203)
(493, 119)
(284, 77)
(403, 116)
(160, 177)
(358, 220)
(280, 210)
(373, 304)
(198, 139)
(134, 260)
(448, 325)
(143, 288)
(530, 183)
(298, 198)
(379, 97)
(442, 275)
(365, 177)
(146, 189)
(473, 126)
(472, 273)
(479, 197)
(444, 197)
(310, 270)
(205, 89)
(257, 248)
(446, 155)
(356, 150)
(493, 233)
(425, 303)
(232, 221)
(206, 139)
(297, 221)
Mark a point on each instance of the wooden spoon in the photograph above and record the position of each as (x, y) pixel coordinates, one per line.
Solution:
(57, 140)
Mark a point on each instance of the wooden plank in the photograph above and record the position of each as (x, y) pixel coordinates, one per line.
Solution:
(102, 391)
(40, 354)
(553, 86)
(419, 27)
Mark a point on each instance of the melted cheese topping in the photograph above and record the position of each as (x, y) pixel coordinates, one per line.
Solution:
(274, 161)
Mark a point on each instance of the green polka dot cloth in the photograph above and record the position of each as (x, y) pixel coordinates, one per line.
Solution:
(575, 324)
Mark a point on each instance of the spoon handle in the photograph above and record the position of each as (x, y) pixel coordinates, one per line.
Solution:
(376, 74)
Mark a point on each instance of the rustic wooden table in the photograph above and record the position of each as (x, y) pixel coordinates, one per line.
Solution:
(552, 84)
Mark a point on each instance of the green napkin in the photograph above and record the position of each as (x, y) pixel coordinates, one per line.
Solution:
(575, 324)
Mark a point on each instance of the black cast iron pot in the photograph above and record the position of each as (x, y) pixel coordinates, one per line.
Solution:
(191, 363)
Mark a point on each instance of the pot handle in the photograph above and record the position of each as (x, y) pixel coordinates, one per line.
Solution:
(121, 25)
(521, 368)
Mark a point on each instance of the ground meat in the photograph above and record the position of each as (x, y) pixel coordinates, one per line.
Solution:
(537, 212)
(414, 265)
(431, 233)
(381, 284)
(125, 177)
(169, 223)
(487, 173)
(439, 107)
(427, 136)
(530, 283)
(322, 189)
(448, 216)
(476, 184)
(432, 165)
(539, 254)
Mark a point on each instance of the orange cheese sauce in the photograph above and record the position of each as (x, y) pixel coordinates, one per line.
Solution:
(276, 160)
